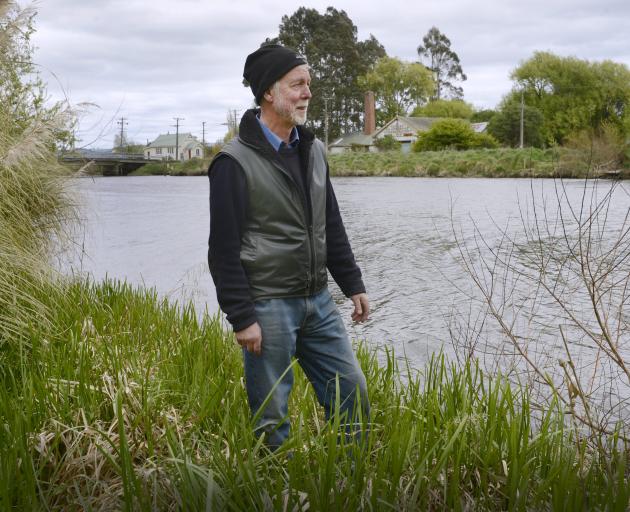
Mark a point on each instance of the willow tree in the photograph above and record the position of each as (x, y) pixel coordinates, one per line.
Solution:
(573, 94)
(398, 86)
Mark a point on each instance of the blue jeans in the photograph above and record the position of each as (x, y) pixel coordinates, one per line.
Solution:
(311, 330)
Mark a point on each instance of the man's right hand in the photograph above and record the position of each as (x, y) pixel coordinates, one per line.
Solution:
(250, 338)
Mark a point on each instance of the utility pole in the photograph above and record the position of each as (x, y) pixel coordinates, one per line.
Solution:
(176, 125)
(122, 124)
(522, 118)
(326, 98)
(203, 138)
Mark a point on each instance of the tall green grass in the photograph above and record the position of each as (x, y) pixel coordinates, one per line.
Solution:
(489, 163)
(124, 401)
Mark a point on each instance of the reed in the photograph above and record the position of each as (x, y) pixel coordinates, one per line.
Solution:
(124, 401)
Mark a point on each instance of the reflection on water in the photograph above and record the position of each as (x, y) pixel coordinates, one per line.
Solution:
(153, 231)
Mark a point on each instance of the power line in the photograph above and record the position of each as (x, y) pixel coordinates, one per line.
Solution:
(122, 124)
(176, 125)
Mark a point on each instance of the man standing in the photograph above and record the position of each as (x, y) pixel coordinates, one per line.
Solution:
(275, 229)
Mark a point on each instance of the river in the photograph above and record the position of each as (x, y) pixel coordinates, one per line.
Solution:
(153, 231)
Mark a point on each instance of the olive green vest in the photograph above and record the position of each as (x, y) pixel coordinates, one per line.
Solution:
(282, 255)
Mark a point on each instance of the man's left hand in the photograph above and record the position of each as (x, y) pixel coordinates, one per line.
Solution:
(361, 307)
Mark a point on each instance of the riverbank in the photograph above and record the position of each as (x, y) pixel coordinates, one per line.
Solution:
(125, 401)
(486, 163)
(112, 398)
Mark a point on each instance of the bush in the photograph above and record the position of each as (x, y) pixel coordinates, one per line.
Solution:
(484, 141)
(453, 134)
(387, 143)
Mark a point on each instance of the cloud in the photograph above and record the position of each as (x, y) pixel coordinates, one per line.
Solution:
(154, 61)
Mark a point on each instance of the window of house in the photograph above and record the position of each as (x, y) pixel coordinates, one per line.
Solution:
(158, 151)
(170, 149)
(197, 151)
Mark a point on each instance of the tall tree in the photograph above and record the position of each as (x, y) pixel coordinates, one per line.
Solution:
(445, 108)
(574, 94)
(329, 42)
(444, 62)
(505, 125)
(398, 86)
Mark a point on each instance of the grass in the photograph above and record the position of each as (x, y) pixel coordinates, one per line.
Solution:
(488, 163)
(192, 167)
(124, 401)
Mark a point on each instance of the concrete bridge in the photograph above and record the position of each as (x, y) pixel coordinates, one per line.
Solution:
(106, 163)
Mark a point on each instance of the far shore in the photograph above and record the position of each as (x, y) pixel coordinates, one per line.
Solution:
(479, 163)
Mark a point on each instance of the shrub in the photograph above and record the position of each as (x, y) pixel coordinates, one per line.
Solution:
(484, 141)
(387, 143)
(453, 134)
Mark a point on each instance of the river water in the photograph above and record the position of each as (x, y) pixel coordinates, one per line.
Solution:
(153, 231)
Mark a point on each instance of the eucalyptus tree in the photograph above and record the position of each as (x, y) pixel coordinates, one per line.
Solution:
(443, 62)
(337, 58)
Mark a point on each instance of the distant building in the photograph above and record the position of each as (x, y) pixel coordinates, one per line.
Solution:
(403, 129)
(164, 147)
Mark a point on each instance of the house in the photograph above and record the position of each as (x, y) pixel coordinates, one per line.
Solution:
(355, 141)
(165, 147)
(405, 129)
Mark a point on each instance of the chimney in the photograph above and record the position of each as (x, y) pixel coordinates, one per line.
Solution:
(369, 119)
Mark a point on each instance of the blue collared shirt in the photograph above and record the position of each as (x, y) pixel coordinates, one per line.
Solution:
(276, 141)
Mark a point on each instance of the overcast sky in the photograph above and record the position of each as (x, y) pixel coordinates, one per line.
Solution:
(151, 61)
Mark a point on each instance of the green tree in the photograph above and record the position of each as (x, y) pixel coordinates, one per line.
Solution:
(574, 94)
(397, 86)
(452, 134)
(505, 125)
(482, 116)
(387, 143)
(337, 58)
(443, 62)
(445, 108)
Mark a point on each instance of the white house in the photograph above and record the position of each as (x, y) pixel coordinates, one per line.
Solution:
(164, 147)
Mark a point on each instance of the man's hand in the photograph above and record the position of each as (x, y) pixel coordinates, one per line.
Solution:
(250, 338)
(361, 307)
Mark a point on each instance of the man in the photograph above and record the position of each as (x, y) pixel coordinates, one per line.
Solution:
(275, 228)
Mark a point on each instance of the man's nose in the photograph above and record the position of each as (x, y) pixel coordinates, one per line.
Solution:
(307, 92)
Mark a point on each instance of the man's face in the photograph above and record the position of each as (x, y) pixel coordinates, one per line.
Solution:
(291, 94)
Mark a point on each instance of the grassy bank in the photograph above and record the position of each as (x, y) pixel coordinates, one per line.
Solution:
(123, 401)
(489, 163)
(193, 167)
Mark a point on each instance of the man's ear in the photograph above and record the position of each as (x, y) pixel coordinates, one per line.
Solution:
(268, 96)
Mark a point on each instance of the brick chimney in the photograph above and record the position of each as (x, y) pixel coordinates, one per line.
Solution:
(369, 119)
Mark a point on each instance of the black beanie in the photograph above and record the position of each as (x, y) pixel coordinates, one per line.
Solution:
(267, 64)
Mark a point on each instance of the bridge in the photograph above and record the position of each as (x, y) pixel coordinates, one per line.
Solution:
(107, 163)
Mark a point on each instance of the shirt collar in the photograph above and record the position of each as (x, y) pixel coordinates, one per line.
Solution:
(276, 141)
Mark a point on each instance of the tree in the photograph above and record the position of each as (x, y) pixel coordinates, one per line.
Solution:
(387, 143)
(452, 134)
(337, 58)
(505, 125)
(443, 62)
(574, 94)
(445, 108)
(482, 116)
(397, 86)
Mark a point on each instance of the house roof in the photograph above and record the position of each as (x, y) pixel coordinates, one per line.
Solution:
(169, 140)
(354, 138)
(479, 127)
(414, 124)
